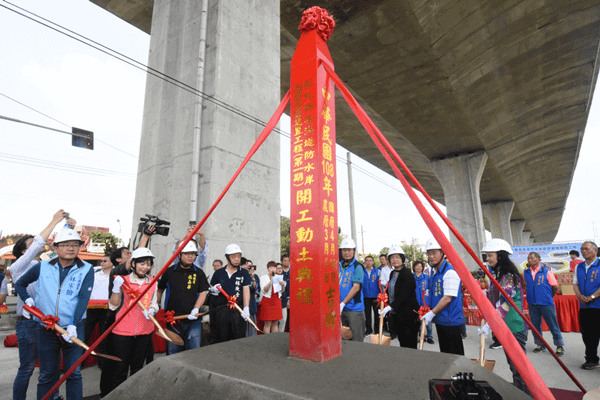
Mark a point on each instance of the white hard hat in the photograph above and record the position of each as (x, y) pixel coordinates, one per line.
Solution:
(497, 245)
(395, 250)
(348, 243)
(66, 235)
(432, 244)
(232, 249)
(141, 253)
(190, 247)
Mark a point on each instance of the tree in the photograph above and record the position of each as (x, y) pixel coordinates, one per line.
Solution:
(413, 251)
(111, 242)
(284, 235)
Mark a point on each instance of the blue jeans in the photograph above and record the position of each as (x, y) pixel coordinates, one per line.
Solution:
(429, 334)
(190, 332)
(49, 346)
(517, 380)
(536, 313)
(26, 330)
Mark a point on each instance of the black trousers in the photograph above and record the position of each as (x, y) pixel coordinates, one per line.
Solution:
(372, 324)
(229, 325)
(133, 350)
(407, 331)
(589, 320)
(450, 339)
(109, 366)
(96, 316)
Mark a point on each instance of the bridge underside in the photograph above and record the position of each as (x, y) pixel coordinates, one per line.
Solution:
(444, 78)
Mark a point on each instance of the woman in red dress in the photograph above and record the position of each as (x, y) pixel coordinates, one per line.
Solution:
(270, 305)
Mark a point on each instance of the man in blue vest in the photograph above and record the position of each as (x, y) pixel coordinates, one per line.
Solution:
(586, 285)
(542, 286)
(352, 307)
(446, 301)
(370, 291)
(63, 289)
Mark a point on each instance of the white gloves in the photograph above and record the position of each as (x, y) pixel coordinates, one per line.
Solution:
(342, 305)
(428, 317)
(215, 289)
(192, 316)
(246, 313)
(484, 330)
(30, 303)
(150, 311)
(118, 281)
(386, 310)
(71, 331)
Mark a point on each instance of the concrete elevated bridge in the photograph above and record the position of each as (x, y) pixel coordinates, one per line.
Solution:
(486, 101)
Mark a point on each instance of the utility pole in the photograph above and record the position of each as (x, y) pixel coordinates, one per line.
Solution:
(351, 193)
(362, 237)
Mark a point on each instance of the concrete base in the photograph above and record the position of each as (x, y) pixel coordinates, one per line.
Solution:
(259, 368)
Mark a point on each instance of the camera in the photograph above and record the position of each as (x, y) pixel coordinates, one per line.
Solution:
(157, 223)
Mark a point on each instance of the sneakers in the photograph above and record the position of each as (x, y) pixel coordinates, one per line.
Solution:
(560, 351)
(496, 346)
(541, 348)
(589, 365)
(430, 340)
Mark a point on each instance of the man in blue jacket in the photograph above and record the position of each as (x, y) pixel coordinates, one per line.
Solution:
(446, 301)
(370, 290)
(63, 289)
(352, 306)
(586, 285)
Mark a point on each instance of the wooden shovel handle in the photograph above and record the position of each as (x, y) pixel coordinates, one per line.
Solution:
(81, 344)
(381, 306)
(423, 329)
(482, 346)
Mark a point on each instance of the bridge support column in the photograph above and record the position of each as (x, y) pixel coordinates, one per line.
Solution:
(460, 177)
(498, 216)
(516, 228)
(526, 238)
(241, 69)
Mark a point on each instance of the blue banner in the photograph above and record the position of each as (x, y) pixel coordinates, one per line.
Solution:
(555, 256)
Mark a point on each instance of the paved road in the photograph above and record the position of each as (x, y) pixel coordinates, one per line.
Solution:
(547, 367)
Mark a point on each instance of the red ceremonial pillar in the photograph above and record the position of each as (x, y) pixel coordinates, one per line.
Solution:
(314, 289)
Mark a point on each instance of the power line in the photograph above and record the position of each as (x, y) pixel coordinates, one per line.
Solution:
(159, 74)
(53, 165)
(54, 119)
(136, 64)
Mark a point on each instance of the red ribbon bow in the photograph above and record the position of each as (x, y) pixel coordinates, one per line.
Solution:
(423, 310)
(382, 297)
(49, 321)
(232, 301)
(134, 293)
(168, 319)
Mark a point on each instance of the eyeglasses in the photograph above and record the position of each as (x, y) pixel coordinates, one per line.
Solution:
(252, 267)
(68, 246)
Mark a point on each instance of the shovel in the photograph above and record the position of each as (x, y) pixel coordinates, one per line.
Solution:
(167, 335)
(380, 338)
(36, 311)
(488, 364)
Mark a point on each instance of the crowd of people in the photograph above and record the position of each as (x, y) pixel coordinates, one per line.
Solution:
(396, 295)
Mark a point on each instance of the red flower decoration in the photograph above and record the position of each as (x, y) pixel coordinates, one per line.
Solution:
(49, 321)
(317, 18)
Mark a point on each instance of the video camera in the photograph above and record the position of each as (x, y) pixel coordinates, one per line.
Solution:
(158, 224)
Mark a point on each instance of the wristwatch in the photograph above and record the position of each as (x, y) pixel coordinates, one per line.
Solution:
(593, 297)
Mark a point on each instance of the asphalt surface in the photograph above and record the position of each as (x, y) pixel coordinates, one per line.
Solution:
(550, 371)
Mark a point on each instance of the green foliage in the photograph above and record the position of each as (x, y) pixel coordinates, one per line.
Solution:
(284, 235)
(111, 242)
(413, 251)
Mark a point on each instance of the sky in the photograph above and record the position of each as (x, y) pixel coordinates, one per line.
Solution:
(76, 85)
